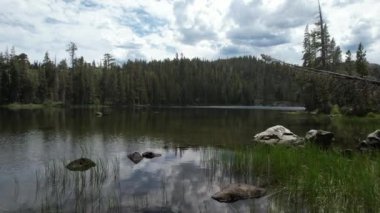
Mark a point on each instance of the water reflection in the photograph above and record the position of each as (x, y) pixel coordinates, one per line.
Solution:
(171, 183)
(35, 146)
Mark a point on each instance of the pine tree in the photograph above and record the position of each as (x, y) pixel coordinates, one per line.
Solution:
(71, 48)
(320, 51)
(335, 56)
(108, 61)
(322, 35)
(307, 45)
(5, 86)
(361, 61)
(348, 63)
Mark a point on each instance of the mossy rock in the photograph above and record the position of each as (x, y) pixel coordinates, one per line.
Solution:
(81, 164)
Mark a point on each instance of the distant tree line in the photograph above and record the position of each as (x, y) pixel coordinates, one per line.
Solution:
(179, 81)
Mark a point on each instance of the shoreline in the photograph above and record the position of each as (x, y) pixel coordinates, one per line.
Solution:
(61, 105)
(286, 109)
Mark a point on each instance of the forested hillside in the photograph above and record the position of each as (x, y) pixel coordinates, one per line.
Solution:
(180, 81)
(244, 80)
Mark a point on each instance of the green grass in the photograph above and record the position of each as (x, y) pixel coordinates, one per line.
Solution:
(310, 178)
(49, 104)
(335, 111)
(373, 115)
(18, 106)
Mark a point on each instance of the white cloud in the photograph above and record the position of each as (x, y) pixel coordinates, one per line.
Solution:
(156, 29)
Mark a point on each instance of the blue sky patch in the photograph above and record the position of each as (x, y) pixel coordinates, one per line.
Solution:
(141, 22)
(90, 4)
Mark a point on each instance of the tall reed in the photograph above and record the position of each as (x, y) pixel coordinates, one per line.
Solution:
(309, 178)
(58, 189)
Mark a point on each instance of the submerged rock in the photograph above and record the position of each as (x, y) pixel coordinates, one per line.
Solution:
(135, 157)
(372, 141)
(277, 135)
(150, 155)
(81, 164)
(320, 137)
(235, 192)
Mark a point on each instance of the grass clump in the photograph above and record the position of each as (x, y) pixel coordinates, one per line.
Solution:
(18, 106)
(373, 115)
(61, 190)
(313, 179)
(335, 110)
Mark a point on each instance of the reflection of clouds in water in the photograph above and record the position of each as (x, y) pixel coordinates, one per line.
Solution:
(180, 183)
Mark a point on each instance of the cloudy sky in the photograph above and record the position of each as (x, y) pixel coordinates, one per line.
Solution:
(157, 29)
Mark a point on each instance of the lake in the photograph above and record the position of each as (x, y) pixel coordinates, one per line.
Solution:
(36, 144)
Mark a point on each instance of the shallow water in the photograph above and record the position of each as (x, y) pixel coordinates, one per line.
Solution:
(181, 180)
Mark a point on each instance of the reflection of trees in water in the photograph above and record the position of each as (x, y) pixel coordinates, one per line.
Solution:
(180, 127)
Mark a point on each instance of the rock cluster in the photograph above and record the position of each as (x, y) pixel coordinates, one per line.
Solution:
(136, 157)
(280, 135)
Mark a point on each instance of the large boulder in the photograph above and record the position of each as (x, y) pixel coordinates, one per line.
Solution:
(81, 164)
(235, 192)
(372, 140)
(135, 157)
(320, 137)
(277, 135)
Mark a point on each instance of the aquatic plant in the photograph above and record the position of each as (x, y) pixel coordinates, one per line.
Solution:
(308, 178)
(59, 189)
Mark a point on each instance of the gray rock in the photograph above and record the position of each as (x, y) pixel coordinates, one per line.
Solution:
(372, 141)
(277, 135)
(320, 137)
(235, 192)
(150, 155)
(135, 157)
(374, 137)
(81, 164)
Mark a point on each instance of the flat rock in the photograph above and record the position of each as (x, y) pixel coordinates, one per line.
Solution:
(277, 135)
(150, 155)
(235, 192)
(81, 164)
(135, 157)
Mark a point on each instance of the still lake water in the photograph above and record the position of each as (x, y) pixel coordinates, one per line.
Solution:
(36, 144)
